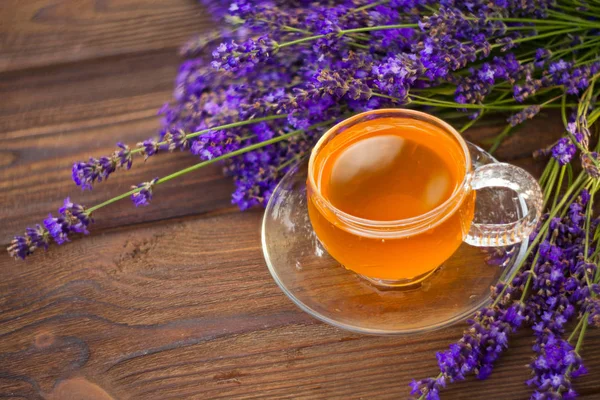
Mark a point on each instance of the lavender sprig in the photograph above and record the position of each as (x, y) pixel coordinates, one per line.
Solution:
(86, 174)
(72, 218)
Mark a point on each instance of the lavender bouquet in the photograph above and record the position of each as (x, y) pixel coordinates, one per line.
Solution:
(256, 95)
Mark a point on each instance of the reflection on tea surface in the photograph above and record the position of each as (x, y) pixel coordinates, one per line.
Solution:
(386, 177)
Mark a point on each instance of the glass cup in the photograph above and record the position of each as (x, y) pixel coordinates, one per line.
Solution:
(404, 252)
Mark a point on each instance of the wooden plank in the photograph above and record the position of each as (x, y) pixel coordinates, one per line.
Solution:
(68, 113)
(42, 32)
(187, 309)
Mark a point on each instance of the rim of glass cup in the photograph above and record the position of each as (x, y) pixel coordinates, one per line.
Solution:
(455, 198)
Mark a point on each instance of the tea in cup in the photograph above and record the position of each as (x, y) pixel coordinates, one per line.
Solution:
(391, 195)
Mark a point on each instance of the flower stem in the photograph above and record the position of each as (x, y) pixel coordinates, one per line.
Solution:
(577, 328)
(347, 31)
(374, 4)
(581, 180)
(212, 161)
(500, 138)
(471, 122)
(113, 200)
(563, 169)
(588, 215)
(550, 184)
(581, 336)
(220, 127)
(543, 35)
(583, 45)
(493, 106)
(543, 21)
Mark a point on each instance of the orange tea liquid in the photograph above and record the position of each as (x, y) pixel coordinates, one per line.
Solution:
(390, 169)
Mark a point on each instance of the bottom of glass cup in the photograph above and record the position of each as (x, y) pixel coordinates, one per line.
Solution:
(399, 284)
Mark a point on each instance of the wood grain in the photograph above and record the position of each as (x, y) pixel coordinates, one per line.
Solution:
(65, 114)
(43, 32)
(172, 301)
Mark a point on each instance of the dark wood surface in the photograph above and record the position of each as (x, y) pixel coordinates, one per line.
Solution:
(172, 301)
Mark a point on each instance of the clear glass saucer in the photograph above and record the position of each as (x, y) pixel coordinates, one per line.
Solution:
(319, 285)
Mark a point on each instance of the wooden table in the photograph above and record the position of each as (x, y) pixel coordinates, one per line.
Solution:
(172, 301)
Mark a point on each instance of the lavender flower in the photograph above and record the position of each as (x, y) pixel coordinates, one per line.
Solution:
(72, 218)
(476, 352)
(23, 246)
(149, 148)
(480, 82)
(559, 287)
(521, 116)
(85, 174)
(554, 368)
(143, 196)
(397, 75)
(243, 57)
(563, 151)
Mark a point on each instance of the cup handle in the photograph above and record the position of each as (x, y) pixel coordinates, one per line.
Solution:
(529, 194)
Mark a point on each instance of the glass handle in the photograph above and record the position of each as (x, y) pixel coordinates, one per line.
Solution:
(530, 197)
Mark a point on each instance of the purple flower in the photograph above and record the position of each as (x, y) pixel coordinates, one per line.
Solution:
(149, 147)
(474, 87)
(574, 79)
(23, 246)
(176, 139)
(563, 151)
(81, 217)
(233, 57)
(85, 174)
(123, 156)
(72, 218)
(19, 247)
(397, 75)
(521, 116)
(541, 57)
(143, 196)
(479, 348)
(59, 228)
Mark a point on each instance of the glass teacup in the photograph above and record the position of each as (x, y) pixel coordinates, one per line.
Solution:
(405, 251)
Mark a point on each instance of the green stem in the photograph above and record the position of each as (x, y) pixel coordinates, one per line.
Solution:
(347, 31)
(567, 17)
(220, 127)
(500, 138)
(548, 188)
(290, 161)
(471, 122)
(581, 335)
(577, 328)
(583, 45)
(546, 173)
(559, 185)
(581, 179)
(529, 277)
(588, 215)
(543, 21)
(563, 110)
(375, 4)
(543, 35)
(113, 200)
(212, 161)
(440, 103)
